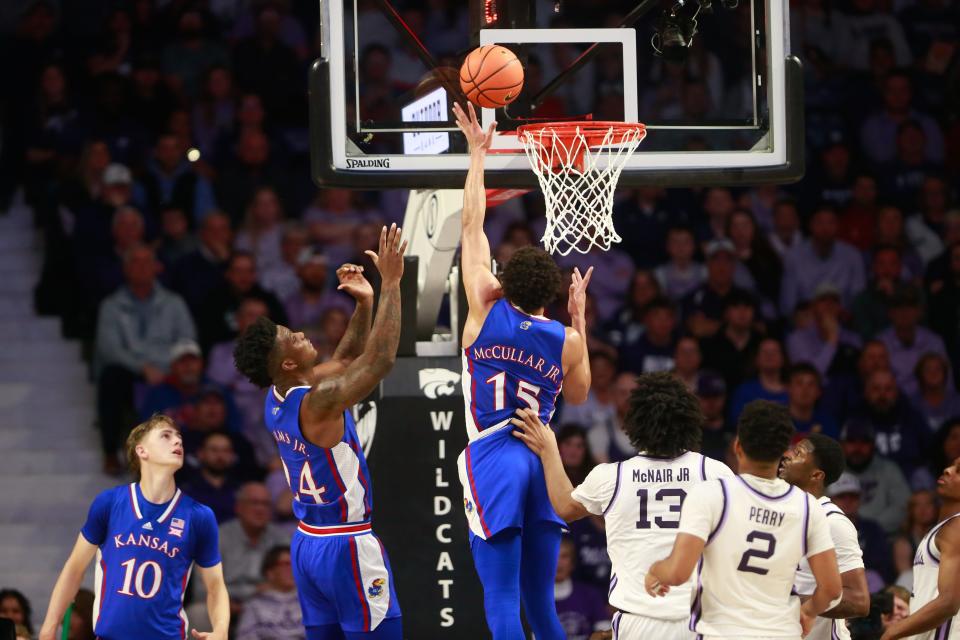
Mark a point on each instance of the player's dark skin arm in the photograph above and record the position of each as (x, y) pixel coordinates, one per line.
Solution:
(354, 339)
(856, 597)
(321, 414)
(947, 603)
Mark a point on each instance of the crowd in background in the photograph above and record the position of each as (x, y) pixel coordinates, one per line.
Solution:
(163, 148)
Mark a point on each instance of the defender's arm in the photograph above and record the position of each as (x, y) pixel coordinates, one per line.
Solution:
(326, 401)
(856, 596)
(481, 286)
(947, 603)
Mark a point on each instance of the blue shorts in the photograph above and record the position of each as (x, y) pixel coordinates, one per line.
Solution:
(503, 485)
(343, 579)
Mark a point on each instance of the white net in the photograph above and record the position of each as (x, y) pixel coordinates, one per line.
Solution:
(578, 165)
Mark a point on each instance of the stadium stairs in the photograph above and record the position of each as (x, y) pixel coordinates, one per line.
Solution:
(50, 463)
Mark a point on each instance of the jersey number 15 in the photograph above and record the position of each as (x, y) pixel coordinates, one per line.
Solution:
(525, 391)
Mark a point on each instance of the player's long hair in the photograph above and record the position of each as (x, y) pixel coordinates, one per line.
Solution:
(765, 431)
(531, 279)
(664, 419)
(251, 355)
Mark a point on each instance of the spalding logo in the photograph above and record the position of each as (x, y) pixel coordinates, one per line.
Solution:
(438, 382)
(525, 325)
(376, 588)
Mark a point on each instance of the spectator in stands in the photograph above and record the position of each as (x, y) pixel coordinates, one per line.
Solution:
(826, 344)
(858, 218)
(15, 606)
(273, 613)
(703, 309)
(185, 61)
(217, 317)
(171, 181)
(921, 516)
(935, 398)
(681, 274)
(847, 494)
(81, 616)
(768, 383)
(890, 232)
(214, 112)
(308, 304)
(899, 605)
(599, 403)
(327, 333)
(878, 134)
(945, 303)
(263, 229)
(101, 272)
(626, 327)
(871, 306)
(925, 227)
(606, 437)
(718, 205)
(94, 217)
(209, 412)
(281, 278)
(201, 272)
(717, 433)
(786, 234)
(264, 65)
(136, 329)
(582, 609)
(574, 452)
(248, 397)
(176, 240)
(245, 540)
(333, 216)
(687, 360)
(731, 351)
(755, 253)
(179, 387)
(215, 483)
(804, 389)
(653, 351)
(885, 492)
(250, 169)
(611, 274)
(818, 260)
(905, 340)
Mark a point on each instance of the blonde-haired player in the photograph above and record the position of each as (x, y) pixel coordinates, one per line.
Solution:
(746, 535)
(146, 536)
(639, 499)
(935, 603)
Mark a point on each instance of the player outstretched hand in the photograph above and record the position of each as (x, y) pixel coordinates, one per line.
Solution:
(536, 435)
(352, 281)
(389, 257)
(577, 301)
(467, 121)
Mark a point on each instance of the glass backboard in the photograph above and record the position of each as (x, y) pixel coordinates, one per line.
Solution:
(713, 80)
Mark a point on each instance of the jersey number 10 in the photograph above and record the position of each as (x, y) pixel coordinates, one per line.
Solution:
(525, 391)
(135, 577)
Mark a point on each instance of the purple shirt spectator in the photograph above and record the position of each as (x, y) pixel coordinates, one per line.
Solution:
(905, 355)
(581, 609)
(805, 267)
(808, 345)
(612, 271)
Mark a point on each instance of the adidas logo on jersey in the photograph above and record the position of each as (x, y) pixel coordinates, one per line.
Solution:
(438, 382)
(148, 526)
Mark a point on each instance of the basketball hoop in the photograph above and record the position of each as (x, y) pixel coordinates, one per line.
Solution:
(578, 165)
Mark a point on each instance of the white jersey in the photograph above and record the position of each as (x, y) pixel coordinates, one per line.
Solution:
(926, 571)
(756, 531)
(849, 557)
(640, 500)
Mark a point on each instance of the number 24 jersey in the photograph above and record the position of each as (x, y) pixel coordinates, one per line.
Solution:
(756, 531)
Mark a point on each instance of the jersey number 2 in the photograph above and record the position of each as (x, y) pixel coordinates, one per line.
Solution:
(135, 576)
(525, 391)
(759, 554)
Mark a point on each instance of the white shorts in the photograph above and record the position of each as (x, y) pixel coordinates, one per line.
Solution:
(629, 626)
(827, 629)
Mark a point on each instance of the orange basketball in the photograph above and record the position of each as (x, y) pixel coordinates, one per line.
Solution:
(491, 76)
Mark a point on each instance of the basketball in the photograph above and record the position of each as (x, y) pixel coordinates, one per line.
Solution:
(491, 76)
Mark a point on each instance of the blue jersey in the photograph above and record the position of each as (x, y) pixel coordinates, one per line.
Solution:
(329, 486)
(146, 552)
(515, 362)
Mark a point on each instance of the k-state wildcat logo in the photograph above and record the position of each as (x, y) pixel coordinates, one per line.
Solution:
(438, 382)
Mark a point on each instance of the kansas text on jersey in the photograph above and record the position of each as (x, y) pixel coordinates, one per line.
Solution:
(144, 558)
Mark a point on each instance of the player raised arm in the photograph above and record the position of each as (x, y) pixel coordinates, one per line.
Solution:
(218, 603)
(481, 286)
(543, 442)
(329, 397)
(947, 603)
(355, 337)
(576, 358)
(67, 586)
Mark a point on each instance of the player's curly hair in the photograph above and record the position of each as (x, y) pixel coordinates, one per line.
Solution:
(664, 418)
(765, 430)
(530, 279)
(252, 353)
(828, 456)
